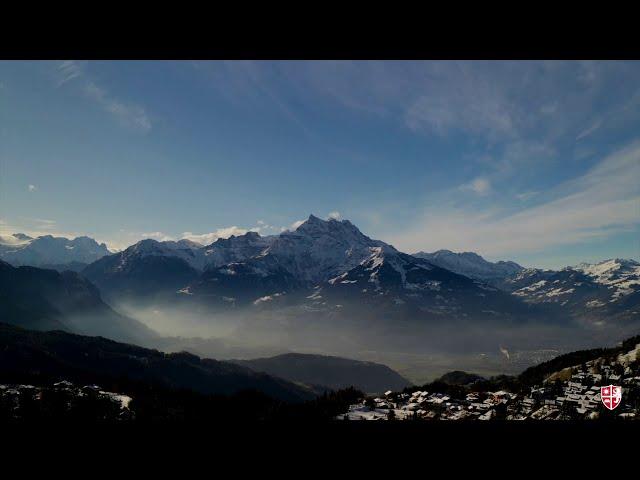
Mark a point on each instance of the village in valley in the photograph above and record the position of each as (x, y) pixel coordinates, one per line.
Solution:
(572, 393)
(62, 399)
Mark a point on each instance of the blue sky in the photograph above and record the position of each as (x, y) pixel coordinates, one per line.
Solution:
(538, 162)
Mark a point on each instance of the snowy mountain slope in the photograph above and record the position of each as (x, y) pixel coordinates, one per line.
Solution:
(599, 291)
(245, 267)
(150, 267)
(147, 268)
(291, 261)
(20, 249)
(524, 278)
(290, 264)
(621, 277)
(471, 265)
(243, 282)
(236, 248)
(403, 282)
(320, 249)
(328, 265)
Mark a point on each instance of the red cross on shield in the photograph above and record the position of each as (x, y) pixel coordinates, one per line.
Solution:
(611, 396)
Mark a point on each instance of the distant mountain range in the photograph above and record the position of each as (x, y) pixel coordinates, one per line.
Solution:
(328, 267)
(471, 265)
(323, 266)
(58, 253)
(602, 292)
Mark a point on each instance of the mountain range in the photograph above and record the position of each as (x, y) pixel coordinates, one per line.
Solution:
(58, 253)
(327, 275)
(330, 267)
(608, 291)
(323, 266)
(472, 265)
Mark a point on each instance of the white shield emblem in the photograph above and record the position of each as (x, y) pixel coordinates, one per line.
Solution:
(611, 396)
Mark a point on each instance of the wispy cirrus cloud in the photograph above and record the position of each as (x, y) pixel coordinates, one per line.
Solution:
(600, 203)
(41, 222)
(519, 114)
(480, 185)
(524, 196)
(590, 130)
(67, 71)
(129, 115)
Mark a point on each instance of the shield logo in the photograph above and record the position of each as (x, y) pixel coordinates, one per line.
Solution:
(611, 396)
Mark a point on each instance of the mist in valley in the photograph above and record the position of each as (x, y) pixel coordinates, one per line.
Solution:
(418, 349)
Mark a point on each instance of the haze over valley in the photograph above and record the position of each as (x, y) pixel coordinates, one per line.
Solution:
(326, 288)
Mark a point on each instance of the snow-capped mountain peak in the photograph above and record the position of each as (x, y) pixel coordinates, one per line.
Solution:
(330, 264)
(316, 227)
(321, 249)
(190, 252)
(236, 248)
(47, 250)
(471, 264)
(607, 268)
(620, 275)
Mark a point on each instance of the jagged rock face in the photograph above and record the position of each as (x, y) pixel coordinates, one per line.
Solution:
(235, 249)
(318, 250)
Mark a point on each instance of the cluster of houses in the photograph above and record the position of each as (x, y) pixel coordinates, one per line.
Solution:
(425, 405)
(13, 397)
(572, 393)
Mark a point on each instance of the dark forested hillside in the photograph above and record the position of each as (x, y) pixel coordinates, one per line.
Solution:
(331, 372)
(43, 299)
(59, 355)
(538, 373)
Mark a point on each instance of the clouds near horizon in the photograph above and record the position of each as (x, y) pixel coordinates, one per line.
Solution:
(602, 202)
